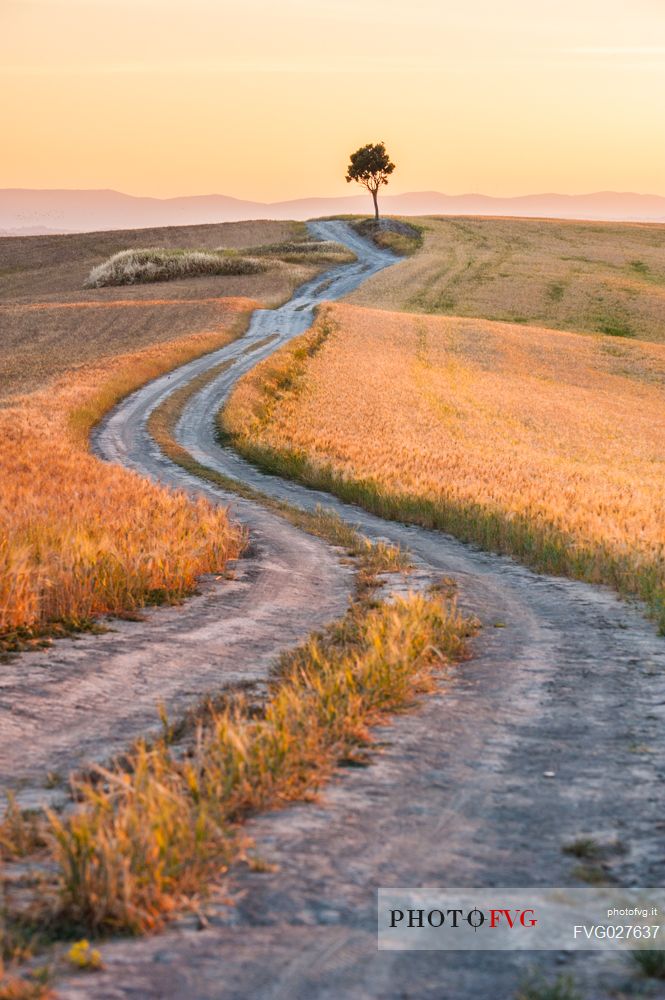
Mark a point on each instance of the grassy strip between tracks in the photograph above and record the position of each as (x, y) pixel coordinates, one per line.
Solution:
(148, 834)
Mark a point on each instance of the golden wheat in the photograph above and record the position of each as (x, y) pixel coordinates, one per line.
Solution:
(79, 537)
(549, 445)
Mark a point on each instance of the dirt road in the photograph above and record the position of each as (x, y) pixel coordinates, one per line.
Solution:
(88, 697)
(553, 731)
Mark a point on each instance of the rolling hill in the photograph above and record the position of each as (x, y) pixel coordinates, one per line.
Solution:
(25, 212)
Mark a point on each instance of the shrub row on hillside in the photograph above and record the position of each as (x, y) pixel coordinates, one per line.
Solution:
(131, 267)
(305, 247)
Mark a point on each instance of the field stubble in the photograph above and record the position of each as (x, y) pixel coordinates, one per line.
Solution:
(594, 277)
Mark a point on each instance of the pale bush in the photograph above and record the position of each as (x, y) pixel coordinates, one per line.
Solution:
(309, 247)
(132, 267)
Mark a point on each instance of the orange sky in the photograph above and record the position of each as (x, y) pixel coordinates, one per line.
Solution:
(265, 98)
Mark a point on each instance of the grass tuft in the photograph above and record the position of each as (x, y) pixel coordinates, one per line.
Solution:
(402, 238)
(150, 834)
(583, 847)
(615, 326)
(305, 251)
(651, 963)
(537, 988)
(18, 988)
(21, 831)
(132, 267)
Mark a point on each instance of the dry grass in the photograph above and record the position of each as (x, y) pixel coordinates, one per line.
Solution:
(372, 557)
(549, 446)
(17, 988)
(536, 987)
(589, 277)
(309, 251)
(141, 266)
(52, 266)
(156, 830)
(404, 239)
(49, 326)
(79, 537)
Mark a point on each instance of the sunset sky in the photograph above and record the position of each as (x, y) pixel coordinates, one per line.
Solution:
(264, 99)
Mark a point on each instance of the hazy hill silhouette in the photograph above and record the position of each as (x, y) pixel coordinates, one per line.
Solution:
(25, 211)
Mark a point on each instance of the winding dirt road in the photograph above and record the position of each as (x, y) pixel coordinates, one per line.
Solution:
(87, 698)
(572, 684)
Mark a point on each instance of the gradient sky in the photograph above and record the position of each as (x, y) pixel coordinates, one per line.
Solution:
(265, 98)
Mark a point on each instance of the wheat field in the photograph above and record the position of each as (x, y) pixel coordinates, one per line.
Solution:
(596, 277)
(548, 445)
(80, 537)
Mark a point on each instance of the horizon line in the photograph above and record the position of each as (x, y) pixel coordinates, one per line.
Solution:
(327, 197)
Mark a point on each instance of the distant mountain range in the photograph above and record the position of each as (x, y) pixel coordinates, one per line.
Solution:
(27, 212)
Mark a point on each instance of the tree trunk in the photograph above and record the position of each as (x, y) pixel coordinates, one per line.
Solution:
(376, 205)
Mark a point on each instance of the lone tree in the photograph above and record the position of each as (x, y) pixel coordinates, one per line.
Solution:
(370, 166)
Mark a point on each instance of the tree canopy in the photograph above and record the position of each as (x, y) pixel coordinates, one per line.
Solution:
(370, 166)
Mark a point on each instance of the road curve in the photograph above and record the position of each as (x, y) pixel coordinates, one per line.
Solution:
(87, 698)
(553, 731)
